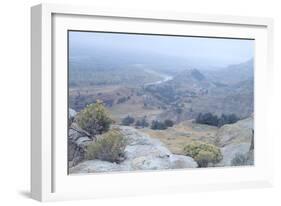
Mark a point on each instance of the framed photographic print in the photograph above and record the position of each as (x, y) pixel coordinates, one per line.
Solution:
(137, 102)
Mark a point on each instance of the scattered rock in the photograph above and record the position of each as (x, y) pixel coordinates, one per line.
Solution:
(142, 153)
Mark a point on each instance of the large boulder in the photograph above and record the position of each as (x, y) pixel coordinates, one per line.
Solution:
(236, 139)
(141, 153)
(239, 132)
(231, 151)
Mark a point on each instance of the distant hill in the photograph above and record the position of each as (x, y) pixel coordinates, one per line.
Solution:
(90, 66)
(191, 92)
(232, 74)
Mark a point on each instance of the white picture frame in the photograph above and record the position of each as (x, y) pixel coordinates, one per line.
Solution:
(49, 178)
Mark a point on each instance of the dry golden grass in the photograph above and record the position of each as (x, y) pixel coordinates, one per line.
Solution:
(135, 110)
(175, 138)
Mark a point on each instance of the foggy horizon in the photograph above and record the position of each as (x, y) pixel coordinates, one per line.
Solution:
(205, 52)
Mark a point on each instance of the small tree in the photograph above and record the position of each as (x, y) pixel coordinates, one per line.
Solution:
(138, 123)
(203, 153)
(207, 118)
(157, 125)
(232, 118)
(227, 119)
(128, 121)
(110, 147)
(94, 119)
(122, 100)
(169, 123)
(142, 123)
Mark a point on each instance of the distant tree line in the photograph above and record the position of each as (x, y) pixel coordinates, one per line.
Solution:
(155, 124)
(158, 125)
(142, 123)
(128, 120)
(214, 120)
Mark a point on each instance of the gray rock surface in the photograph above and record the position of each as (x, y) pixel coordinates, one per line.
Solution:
(236, 139)
(77, 142)
(236, 133)
(142, 153)
(230, 151)
(71, 113)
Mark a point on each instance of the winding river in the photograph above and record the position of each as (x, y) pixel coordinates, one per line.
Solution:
(165, 78)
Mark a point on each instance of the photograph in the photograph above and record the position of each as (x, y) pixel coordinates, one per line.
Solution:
(146, 102)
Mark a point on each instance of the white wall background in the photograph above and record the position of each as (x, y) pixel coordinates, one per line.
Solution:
(15, 103)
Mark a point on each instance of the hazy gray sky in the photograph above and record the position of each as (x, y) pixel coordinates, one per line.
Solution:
(215, 51)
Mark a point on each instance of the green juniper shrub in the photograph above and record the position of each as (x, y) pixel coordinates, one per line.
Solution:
(94, 119)
(109, 147)
(122, 100)
(207, 118)
(157, 125)
(214, 120)
(227, 119)
(169, 123)
(138, 123)
(128, 121)
(204, 158)
(203, 153)
(142, 123)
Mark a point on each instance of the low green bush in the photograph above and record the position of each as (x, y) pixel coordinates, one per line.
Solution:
(169, 123)
(94, 119)
(128, 120)
(203, 153)
(110, 147)
(142, 123)
(207, 118)
(157, 125)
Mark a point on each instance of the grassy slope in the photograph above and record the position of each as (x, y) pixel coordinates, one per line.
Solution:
(175, 138)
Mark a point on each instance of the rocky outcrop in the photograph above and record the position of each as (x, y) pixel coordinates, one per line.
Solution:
(236, 139)
(77, 142)
(141, 153)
